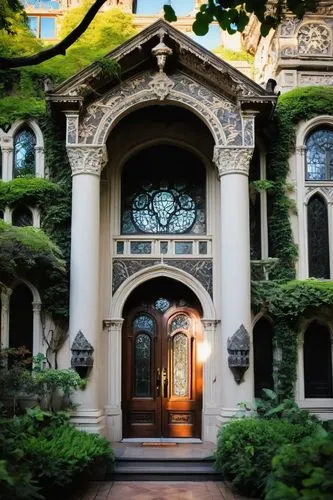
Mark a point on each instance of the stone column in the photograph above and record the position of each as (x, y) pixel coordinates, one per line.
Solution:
(7, 158)
(37, 327)
(86, 163)
(113, 408)
(5, 301)
(235, 291)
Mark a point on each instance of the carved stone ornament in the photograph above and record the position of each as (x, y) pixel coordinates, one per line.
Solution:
(87, 159)
(82, 350)
(161, 85)
(239, 349)
(232, 160)
(161, 52)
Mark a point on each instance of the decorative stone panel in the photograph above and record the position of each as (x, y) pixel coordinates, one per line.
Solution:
(201, 269)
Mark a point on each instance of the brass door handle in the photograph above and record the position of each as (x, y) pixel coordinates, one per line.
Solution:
(158, 382)
(165, 382)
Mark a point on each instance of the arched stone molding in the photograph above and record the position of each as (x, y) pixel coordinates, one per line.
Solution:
(316, 404)
(222, 118)
(306, 189)
(114, 328)
(158, 271)
(8, 148)
(35, 214)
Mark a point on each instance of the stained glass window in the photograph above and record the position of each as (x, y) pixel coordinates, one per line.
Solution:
(24, 153)
(318, 242)
(317, 362)
(142, 378)
(180, 365)
(319, 155)
(144, 323)
(163, 192)
(180, 321)
(162, 305)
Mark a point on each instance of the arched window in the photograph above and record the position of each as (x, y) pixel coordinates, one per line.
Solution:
(22, 216)
(317, 362)
(163, 192)
(263, 356)
(21, 318)
(24, 153)
(318, 240)
(319, 155)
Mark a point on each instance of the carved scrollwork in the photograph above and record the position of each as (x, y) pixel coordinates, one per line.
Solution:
(232, 160)
(86, 159)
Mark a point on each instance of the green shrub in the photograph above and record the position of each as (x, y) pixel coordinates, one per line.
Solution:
(245, 449)
(42, 455)
(303, 471)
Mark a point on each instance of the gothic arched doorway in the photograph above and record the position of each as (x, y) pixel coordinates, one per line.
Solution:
(161, 376)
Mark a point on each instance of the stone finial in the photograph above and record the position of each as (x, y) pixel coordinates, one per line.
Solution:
(239, 349)
(161, 52)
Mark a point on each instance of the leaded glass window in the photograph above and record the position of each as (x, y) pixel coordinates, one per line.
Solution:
(180, 363)
(180, 321)
(24, 153)
(319, 155)
(142, 360)
(163, 192)
(318, 242)
(144, 322)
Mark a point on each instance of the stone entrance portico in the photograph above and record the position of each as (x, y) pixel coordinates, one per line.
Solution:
(161, 68)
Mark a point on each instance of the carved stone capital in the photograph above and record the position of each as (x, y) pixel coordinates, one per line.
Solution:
(300, 151)
(232, 160)
(209, 324)
(87, 159)
(113, 325)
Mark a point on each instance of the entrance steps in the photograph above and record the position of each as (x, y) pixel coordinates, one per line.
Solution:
(165, 462)
(168, 469)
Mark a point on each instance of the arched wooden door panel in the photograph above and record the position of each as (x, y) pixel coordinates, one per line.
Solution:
(162, 378)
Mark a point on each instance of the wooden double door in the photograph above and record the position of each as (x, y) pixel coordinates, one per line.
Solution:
(161, 375)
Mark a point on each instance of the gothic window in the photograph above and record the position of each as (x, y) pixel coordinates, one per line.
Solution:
(163, 192)
(314, 40)
(317, 362)
(24, 153)
(319, 155)
(318, 240)
(263, 356)
(21, 318)
(22, 216)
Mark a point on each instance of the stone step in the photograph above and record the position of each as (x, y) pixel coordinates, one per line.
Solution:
(162, 469)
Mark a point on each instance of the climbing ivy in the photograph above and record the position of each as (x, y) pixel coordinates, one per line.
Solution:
(285, 299)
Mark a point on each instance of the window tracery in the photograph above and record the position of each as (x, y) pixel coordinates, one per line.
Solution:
(314, 39)
(319, 155)
(24, 153)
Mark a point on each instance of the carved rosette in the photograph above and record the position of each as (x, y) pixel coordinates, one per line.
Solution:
(232, 160)
(87, 159)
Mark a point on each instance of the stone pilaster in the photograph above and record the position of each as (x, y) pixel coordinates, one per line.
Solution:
(233, 168)
(113, 408)
(37, 328)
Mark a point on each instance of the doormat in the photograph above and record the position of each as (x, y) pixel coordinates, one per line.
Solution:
(159, 444)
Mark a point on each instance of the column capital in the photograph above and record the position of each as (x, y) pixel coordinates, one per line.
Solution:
(113, 325)
(232, 160)
(301, 150)
(87, 159)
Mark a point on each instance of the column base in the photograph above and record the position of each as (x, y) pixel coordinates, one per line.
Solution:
(114, 423)
(90, 421)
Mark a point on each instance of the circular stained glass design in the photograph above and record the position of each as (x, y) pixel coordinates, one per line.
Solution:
(163, 212)
(163, 192)
(162, 305)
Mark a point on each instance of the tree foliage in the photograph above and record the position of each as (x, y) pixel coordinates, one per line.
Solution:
(232, 16)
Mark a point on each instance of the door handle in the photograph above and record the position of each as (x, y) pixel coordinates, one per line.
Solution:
(158, 382)
(165, 382)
